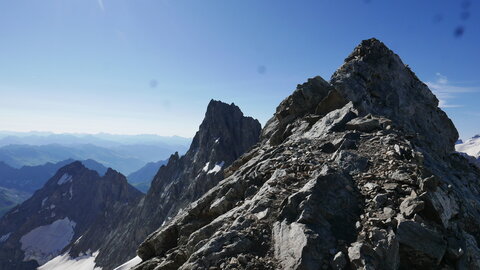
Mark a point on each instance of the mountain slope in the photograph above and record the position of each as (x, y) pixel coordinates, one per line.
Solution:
(142, 178)
(59, 213)
(355, 173)
(9, 198)
(223, 136)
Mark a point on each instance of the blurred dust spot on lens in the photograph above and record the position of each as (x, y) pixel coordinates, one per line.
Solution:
(466, 4)
(459, 31)
(153, 83)
(465, 15)
(438, 18)
(262, 69)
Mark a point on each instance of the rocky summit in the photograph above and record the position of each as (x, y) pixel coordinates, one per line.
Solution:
(223, 136)
(58, 214)
(355, 173)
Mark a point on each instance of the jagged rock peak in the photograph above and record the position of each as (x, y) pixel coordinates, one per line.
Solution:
(372, 50)
(223, 124)
(376, 80)
(224, 135)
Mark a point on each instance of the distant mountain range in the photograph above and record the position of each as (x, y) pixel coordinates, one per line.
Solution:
(9, 198)
(101, 139)
(125, 153)
(124, 158)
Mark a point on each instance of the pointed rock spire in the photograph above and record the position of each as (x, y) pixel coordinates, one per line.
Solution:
(377, 81)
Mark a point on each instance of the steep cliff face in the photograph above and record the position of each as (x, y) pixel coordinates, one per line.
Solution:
(223, 136)
(355, 173)
(56, 215)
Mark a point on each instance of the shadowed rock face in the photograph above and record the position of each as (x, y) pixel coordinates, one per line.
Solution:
(223, 136)
(70, 202)
(356, 173)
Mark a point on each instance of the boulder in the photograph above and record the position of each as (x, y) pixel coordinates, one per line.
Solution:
(420, 247)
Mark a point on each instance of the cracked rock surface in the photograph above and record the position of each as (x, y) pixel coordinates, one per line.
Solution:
(355, 173)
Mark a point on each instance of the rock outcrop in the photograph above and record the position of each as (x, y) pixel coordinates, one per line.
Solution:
(224, 135)
(69, 203)
(355, 173)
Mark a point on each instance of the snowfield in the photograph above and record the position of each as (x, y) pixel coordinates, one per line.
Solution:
(65, 262)
(45, 242)
(130, 264)
(471, 147)
(217, 168)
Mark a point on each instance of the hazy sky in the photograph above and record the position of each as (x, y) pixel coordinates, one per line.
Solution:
(151, 66)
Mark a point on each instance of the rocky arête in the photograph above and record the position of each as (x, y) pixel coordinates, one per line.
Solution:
(355, 173)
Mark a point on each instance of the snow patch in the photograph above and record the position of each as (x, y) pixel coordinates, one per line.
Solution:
(65, 262)
(64, 179)
(44, 242)
(261, 215)
(71, 192)
(78, 240)
(217, 140)
(5, 237)
(217, 168)
(44, 201)
(205, 168)
(130, 264)
(471, 147)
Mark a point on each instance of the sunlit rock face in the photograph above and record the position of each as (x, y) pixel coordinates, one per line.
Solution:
(356, 173)
(223, 136)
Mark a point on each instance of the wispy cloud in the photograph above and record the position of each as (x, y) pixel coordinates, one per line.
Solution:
(100, 4)
(446, 91)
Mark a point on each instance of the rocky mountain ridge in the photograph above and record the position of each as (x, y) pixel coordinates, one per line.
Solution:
(355, 173)
(223, 136)
(59, 213)
(17, 185)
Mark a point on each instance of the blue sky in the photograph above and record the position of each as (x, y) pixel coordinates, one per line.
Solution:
(151, 66)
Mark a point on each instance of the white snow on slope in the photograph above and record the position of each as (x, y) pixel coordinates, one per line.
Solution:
(44, 201)
(217, 168)
(64, 179)
(205, 168)
(5, 237)
(471, 147)
(130, 264)
(65, 262)
(45, 242)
